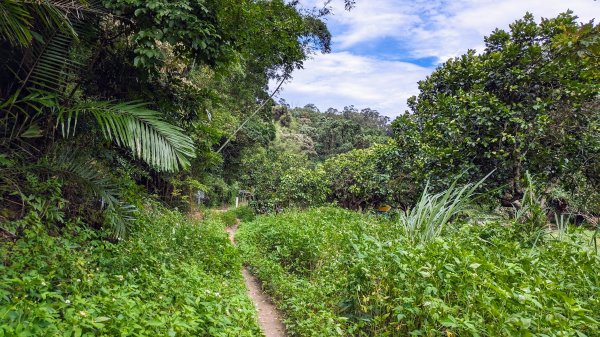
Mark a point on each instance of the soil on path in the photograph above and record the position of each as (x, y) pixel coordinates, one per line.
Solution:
(268, 316)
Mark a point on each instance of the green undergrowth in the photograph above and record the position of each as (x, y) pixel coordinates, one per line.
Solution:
(336, 272)
(243, 213)
(170, 277)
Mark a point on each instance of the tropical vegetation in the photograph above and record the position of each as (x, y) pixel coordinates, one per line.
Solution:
(335, 272)
(123, 122)
(171, 277)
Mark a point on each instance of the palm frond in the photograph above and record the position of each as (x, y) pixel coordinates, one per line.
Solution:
(81, 169)
(117, 217)
(15, 23)
(19, 19)
(52, 16)
(47, 64)
(53, 67)
(25, 115)
(132, 125)
(77, 8)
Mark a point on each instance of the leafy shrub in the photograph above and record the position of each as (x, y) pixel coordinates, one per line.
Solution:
(229, 218)
(355, 180)
(266, 167)
(303, 187)
(170, 277)
(244, 213)
(335, 272)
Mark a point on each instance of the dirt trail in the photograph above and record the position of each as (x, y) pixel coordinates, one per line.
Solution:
(268, 316)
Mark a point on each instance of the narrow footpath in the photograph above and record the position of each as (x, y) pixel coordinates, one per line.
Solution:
(269, 318)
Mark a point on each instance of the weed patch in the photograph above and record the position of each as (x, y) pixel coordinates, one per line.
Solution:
(335, 272)
(170, 277)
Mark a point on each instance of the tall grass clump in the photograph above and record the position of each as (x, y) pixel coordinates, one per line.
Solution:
(432, 213)
(531, 215)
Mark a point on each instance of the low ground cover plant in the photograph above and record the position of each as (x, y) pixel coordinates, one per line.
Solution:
(229, 218)
(169, 277)
(336, 272)
(243, 213)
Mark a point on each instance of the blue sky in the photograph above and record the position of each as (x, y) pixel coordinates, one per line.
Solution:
(383, 47)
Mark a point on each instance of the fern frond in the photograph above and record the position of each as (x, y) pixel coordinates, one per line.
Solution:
(132, 125)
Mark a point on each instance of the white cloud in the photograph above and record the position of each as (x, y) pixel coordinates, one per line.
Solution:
(342, 79)
(439, 28)
(423, 28)
(457, 31)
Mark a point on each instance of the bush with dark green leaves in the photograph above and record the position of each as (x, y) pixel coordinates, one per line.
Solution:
(356, 180)
(169, 277)
(338, 273)
(229, 218)
(303, 187)
(528, 102)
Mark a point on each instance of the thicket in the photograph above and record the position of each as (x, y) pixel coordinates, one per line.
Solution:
(170, 277)
(94, 92)
(339, 273)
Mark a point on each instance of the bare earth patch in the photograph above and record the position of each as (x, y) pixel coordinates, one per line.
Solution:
(268, 316)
